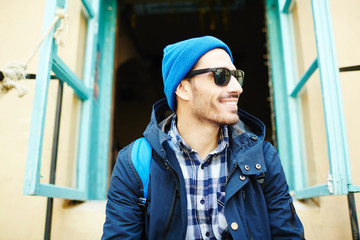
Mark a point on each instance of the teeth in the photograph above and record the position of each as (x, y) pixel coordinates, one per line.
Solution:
(229, 103)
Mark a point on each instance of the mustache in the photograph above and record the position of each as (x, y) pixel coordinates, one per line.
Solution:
(233, 95)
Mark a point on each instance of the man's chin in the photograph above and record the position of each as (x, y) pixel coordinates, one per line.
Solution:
(231, 120)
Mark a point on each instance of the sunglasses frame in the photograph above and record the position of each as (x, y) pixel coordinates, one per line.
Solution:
(213, 70)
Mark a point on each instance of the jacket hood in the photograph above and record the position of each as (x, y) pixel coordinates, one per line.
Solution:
(252, 127)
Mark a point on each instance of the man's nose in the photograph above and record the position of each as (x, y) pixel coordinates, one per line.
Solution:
(234, 86)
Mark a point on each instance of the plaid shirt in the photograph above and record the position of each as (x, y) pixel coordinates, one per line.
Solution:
(205, 182)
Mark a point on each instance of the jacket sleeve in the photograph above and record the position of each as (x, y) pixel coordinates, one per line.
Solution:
(284, 222)
(124, 218)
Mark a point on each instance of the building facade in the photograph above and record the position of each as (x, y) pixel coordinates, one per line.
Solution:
(89, 92)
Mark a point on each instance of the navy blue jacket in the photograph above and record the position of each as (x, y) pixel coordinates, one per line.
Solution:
(252, 211)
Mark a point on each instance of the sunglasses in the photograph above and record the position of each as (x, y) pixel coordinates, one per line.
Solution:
(222, 76)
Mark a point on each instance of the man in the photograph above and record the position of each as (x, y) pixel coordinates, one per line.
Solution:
(209, 160)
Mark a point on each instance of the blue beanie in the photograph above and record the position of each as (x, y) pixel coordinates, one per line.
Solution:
(179, 58)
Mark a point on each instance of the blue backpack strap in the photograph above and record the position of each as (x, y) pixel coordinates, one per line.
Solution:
(141, 154)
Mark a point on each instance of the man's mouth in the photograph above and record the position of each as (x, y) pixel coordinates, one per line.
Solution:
(229, 99)
(230, 103)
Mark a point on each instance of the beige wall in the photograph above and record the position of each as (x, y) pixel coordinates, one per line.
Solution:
(328, 217)
(20, 216)
(23, 217)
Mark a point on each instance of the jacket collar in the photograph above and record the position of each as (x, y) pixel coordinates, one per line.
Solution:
(247, 144)
(246, 136)
(154, 132)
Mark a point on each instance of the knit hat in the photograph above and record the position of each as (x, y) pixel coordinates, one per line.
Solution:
(179, 58)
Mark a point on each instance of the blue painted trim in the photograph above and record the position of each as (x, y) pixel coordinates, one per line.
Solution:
(279, 88)
(63, 72)
(339, 160)
(102, 105)
(288, 110)
(54, 191)
(88, 8)
(33, 162)
(86, 137)
(294, 108)
(320, 190)
(354, 188)
(49, 61)
(286, 6)
(315, 191)
(304, 78)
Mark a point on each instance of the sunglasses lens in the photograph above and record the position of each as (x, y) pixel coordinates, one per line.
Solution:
(239, 76)
(222, 76)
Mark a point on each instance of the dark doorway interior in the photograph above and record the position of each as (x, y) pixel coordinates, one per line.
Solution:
(145, 29)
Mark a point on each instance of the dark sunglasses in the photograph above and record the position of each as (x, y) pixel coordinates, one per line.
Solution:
(222, 76)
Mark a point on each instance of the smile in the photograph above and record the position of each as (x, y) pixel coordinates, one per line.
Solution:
(230, 103)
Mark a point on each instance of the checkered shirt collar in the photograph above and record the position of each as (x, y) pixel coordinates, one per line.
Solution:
(223, 140)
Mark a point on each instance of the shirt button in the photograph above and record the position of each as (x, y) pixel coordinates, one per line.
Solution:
(202, 201)
(207, 234)
(234, 226)
(258, 166)
(242, 177)
(202, 166)
(247, 168)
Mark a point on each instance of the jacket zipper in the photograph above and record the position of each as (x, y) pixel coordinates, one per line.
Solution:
(244, 197)
(228, 154)
(231, 173)
(176, 194)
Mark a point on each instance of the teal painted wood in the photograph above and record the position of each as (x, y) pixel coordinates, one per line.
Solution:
(63, 72)
(54, 191)
(279, 88)
(33, 162)
(278, 79)
(49, 61)
(339, 161)
(304, 78)
(315, 191)
(287, 110)
(294, 108)
(88, 8)
(354, 188)
(102, 108)
(86, 136)
(286, 6)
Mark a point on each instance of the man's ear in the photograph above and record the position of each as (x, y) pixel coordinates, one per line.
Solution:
(183, 90)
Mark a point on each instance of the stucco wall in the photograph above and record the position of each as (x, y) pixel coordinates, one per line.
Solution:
(21, 216)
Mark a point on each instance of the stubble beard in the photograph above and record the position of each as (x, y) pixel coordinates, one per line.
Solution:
(207, 112)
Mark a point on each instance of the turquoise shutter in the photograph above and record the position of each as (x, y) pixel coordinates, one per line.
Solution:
(288, 105)
(89, 136)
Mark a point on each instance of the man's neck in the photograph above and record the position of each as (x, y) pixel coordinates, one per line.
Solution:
(199, 136)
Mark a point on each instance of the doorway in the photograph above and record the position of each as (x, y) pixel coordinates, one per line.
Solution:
(144, 29)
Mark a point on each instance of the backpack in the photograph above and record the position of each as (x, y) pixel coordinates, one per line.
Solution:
(141, 154)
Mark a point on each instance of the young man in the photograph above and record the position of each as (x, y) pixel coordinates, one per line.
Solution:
(209, 160)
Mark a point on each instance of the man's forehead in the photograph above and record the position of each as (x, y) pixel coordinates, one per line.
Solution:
(217, 57)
